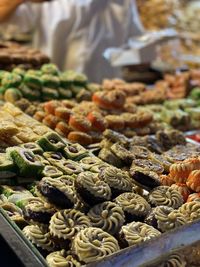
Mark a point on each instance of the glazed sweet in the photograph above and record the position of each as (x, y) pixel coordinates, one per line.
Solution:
(180, 171)
(88, 162)
(140, 151)
(123, 153)
(166, 180)
(108, 216)
(136, 232)
(57, 192)
(134, 206)
(91, 189)
(182, 189)
(118, 180)
(193, 181)
(165, 196)
(65, 224)
(39, 236)
(191, 210)
(165, 218)
(61, 259)
(93, 244)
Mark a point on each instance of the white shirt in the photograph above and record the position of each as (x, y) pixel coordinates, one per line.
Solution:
(75, 33)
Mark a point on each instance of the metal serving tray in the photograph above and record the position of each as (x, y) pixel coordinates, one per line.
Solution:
(139, 256)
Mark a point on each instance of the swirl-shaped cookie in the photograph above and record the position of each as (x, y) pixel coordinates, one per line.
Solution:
(108, 216)
(191, 210)
(57, 192)
(165, 218)
(174, 260)
(118, 180)
(37, 210)
(136, 232)
(91, 189)
(193, 181)
(182, 189)
(92, 244)
(180, 171)
(61, 259)
(39, 236)
(65, 224)
(165, 196)
(133, 205)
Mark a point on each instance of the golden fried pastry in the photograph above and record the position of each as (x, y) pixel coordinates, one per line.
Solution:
(191, 210)
(193, 181)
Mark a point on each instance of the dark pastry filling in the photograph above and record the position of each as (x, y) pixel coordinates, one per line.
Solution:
(29, 157)
(55, 196)
(88, 197)
(57, 156)
(146, 180)
(41, 216)
(72, 149)
(70, 166)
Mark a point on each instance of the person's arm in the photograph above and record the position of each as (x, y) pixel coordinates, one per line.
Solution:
(7, 8)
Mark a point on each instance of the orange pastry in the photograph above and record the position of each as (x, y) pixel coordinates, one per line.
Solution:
(51, 121)
(97, 120)
(68, 104)
(182, 189)
(39, 115)
(114, 99)
(62, 128)
(115, 122)
(79, 137)
(193, 181)
(50, 106)
(80, 123)
(166, 180)
(180, 171)
(63, 113)
(193, 197)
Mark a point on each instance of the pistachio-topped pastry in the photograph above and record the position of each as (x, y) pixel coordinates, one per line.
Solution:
(34, 147)
(134, 206)
(191, 210)
(91, 189)
(118, 180)
(136, 232)
(36, 210)
(123, 153)
(93, 244)
(165, 218)
(65, 224)
(39, 236)
(165, 196)
(174, 260)
(108, 216)
(57, 192)
(88, 162)
(69, 167)
(51, 171)
(75, 151)
(140, 152)
(51, 142)
(61, 259)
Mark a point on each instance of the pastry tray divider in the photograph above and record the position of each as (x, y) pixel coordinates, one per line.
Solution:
(20, 245)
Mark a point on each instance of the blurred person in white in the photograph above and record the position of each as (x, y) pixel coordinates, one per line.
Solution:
(75, 33)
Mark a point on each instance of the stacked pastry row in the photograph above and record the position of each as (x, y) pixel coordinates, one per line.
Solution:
(85, 122)
(83, 209)
(44, 84)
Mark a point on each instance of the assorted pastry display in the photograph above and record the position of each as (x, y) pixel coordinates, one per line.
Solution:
(77, 208)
